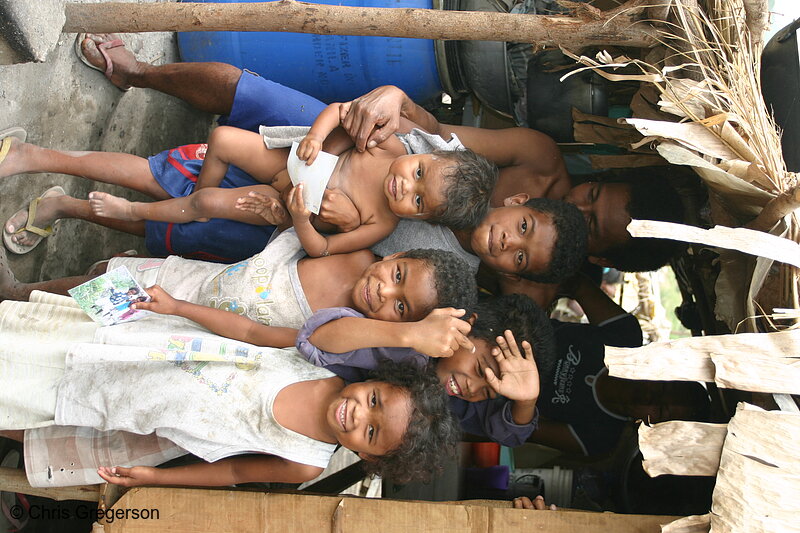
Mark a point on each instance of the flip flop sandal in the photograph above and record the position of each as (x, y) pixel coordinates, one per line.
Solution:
(5, 140)
(41, 233)
(101, 47)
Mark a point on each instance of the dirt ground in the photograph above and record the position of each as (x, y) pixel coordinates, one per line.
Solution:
(65, 105)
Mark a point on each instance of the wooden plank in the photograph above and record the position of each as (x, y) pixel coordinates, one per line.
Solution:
(14, 480)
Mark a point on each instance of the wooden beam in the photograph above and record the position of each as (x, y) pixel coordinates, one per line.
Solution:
(618, 27)
(14, 480)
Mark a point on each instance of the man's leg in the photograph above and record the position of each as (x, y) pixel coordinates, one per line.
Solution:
(245, 100)
(210, 87)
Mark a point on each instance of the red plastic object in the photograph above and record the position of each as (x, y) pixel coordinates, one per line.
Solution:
(485, 454)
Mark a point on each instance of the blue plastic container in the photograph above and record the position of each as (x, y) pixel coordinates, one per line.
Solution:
(332, 68)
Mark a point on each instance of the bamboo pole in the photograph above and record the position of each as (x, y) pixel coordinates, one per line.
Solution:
(613, 28)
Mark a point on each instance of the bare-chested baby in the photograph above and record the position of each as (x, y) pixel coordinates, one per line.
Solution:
(384, 183)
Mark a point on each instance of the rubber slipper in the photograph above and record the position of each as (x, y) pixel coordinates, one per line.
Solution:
(101, 47)
(41, 233)
(5, 139)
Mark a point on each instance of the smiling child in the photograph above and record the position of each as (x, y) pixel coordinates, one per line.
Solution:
(254, 415)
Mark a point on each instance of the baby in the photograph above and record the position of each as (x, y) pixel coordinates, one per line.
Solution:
(384, 183)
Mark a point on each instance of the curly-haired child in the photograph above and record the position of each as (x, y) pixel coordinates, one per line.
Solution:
(253, 414)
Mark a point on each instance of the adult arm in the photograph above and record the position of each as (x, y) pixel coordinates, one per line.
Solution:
(225, 472)
(521, 153)
(223, 323)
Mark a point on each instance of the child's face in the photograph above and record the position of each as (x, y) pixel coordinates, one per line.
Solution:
(396, 289)
(415, 185)
(515, 239)
(462, 374)
(604, 206)
(370, 418)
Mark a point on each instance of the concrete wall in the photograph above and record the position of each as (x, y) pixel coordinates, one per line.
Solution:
(29, 29)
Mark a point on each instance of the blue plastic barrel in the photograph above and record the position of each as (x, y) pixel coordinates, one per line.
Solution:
(333, 68)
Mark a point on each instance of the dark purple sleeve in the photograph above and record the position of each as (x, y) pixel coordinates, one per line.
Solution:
(354, 365)
(492, 419)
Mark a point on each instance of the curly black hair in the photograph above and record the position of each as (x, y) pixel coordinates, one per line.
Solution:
(469, 182)
(526, 320)
(569, 250)
(652, 198)
(454, 281)
(432, 431)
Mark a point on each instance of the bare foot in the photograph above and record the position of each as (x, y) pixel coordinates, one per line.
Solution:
(270, 209)
(47, 212)
(110, 206)
(124, 63)
(8, 282)
(15, 161)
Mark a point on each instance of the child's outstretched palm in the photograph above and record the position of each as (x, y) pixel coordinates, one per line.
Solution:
(519, 377)
(270, 209)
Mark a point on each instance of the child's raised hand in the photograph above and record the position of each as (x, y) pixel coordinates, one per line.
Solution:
(308, 148)
(519, 377)
(161, 302)
(296, 204)
(129, 477)
(441, 333)
(270, 209)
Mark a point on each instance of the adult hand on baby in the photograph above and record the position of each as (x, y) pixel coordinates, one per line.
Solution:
(337, 209)
(441, 333)
(308, 148)
(161, 302)
(519, 377)
(296, 205)
(129, 477)
(372, 118)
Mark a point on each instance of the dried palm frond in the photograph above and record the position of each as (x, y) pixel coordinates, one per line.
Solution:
(709, 81)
